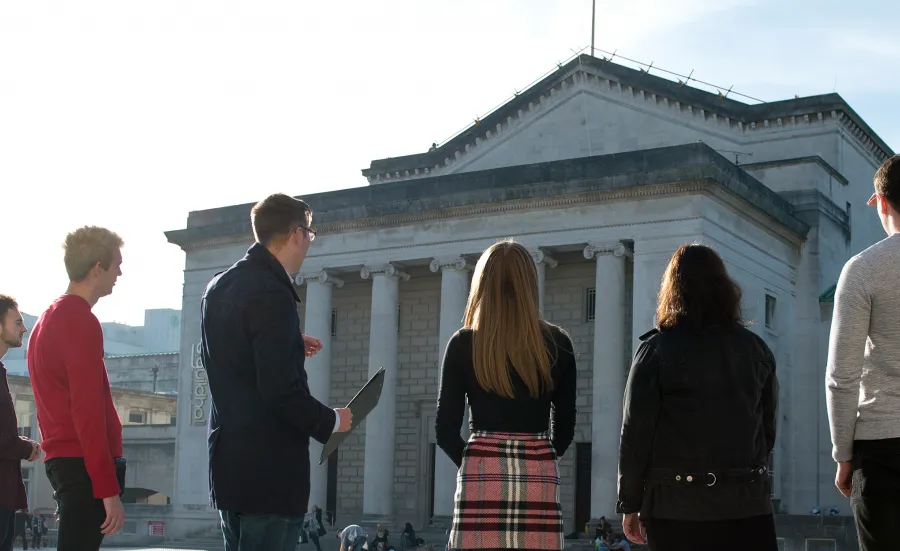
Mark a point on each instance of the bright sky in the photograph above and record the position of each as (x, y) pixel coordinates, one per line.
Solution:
(132, 114)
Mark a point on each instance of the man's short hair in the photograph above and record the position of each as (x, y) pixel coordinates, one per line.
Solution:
(87, 246)
(276, 216)
(7, 303)
(887, 181)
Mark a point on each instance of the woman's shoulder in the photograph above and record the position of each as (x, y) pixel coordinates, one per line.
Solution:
(557, 332)
(462, 335)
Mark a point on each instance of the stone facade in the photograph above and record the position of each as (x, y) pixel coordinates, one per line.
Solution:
(598, 170)
(148, 439)
(146, 372)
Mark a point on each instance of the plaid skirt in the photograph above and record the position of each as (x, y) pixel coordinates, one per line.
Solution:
(507, 494)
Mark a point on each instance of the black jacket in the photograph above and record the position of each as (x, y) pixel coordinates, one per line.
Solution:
(697, 402)
(262, 413)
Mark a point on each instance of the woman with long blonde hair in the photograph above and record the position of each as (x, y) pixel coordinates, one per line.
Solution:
(518, 374)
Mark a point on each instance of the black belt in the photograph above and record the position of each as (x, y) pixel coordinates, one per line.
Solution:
(708, 478)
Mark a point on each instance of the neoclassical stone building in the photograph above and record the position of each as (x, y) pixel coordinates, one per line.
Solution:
(602, 171)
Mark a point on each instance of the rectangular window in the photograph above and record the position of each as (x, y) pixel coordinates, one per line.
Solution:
(333, 322)
(770, 312)
(590, 304)
(137, 417)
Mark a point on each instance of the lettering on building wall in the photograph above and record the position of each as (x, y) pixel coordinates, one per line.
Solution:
(200, 387)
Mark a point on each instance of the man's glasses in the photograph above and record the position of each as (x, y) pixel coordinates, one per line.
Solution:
(311, 232)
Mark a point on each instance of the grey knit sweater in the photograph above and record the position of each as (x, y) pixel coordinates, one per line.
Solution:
(863, 374)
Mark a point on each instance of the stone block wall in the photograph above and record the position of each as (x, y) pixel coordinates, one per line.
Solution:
(417, 386)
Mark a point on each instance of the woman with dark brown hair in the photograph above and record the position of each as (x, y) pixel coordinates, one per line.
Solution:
(699, 419)
(518, 373)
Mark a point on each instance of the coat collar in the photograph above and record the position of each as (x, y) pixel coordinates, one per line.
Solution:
(261, 256)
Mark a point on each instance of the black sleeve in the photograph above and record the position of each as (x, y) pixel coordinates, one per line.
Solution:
(641, 410)
(279, 358)
(451, 404)
(770, 402)
(562, 405)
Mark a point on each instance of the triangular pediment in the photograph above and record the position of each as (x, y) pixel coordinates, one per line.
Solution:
(582, 122)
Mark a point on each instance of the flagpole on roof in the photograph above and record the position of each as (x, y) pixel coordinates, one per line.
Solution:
(593, 14)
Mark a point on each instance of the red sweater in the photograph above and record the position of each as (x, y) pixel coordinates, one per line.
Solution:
(75, 409)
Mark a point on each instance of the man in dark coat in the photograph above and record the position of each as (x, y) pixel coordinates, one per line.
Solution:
(262, 414)
(13, 448)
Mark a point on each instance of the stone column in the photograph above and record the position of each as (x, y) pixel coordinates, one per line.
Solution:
(454, 293)
(378, 482)
(542, 261)
(610, 366)
(319, 288)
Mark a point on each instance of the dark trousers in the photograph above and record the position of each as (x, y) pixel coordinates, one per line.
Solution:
(36, 540)
(7, 529)
(260, 532)
(24, 535)
(745, 534)
(875, 499)
(314, 537)
(80, 513)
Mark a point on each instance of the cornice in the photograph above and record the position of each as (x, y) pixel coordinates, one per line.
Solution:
(484, 209)
(812, 159)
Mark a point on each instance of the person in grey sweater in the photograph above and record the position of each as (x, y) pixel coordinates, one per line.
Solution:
(863, 375)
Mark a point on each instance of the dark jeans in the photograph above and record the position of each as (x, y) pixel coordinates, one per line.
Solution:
(7, 529)
(745, 534)
(314, 537)
(80, 514)
(24, 536)
(36, 539)
(260, 532)
(875, 499)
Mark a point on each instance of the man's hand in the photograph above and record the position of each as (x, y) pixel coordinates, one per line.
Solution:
(115, 516)
(311, 345)
(346, 417)
(634, 529)
(844, 478)
(35, 451)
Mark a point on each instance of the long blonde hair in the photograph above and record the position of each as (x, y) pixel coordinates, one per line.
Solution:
(503, 314)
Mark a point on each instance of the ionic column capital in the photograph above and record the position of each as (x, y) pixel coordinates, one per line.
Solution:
(319, 277)
(458, 263)
(387, 270)
(616, 248)
(542, 257)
